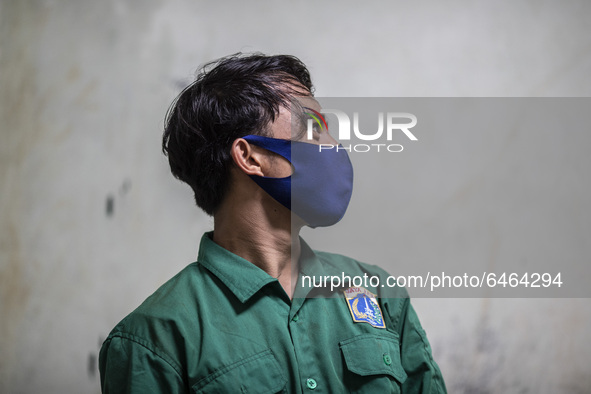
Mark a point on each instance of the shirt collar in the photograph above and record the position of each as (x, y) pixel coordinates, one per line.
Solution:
(242, 277)
(314, 266)
(310, 264)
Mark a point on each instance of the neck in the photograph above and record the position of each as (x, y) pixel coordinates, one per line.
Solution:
(262, 234)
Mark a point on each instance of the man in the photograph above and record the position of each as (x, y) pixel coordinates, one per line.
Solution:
(237, 320)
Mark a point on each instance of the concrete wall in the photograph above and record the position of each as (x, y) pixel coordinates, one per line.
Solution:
(92, 222)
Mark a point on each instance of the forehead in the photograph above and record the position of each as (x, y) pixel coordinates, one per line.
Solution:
(307, 102)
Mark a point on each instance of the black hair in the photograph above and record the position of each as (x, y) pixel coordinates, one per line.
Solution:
(231, 97)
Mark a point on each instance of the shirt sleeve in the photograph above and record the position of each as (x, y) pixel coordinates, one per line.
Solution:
(423, 372)
(130, 365)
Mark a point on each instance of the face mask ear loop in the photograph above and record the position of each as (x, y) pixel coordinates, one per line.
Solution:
(278, 188)
(275, 145)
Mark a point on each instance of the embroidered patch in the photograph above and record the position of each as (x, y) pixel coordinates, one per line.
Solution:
(364, 307)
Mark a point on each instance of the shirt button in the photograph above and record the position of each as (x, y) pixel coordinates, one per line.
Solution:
(387, 359)
(311, 383)
(294, 318)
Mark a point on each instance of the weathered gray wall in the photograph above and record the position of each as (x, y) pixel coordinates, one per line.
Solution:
(92, 221)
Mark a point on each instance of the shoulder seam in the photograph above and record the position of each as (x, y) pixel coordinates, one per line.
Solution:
(148, 346)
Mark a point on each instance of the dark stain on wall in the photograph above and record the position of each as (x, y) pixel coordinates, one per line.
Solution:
(110, 200)
(91, 365)
(92, 360)
(110, 206)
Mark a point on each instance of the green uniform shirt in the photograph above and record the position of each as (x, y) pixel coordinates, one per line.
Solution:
(223, 325)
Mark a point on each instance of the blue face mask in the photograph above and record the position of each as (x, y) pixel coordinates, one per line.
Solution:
(320, 187)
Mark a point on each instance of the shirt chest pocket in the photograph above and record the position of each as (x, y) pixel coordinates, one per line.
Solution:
(259, 373)
(373, 363)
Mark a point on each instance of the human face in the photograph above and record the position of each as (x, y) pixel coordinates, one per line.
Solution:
(291, 124)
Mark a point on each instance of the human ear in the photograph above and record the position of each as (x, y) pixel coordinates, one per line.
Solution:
(247, 158)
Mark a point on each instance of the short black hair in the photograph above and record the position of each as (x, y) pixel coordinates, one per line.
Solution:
(231, 97)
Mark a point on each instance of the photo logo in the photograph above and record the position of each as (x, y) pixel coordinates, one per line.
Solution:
(320, 121)
(390, 124)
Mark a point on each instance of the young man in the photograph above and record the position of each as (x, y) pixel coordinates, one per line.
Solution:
(237, 320)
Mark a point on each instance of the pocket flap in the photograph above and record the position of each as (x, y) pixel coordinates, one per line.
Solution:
(255, 374)
(371, 354)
